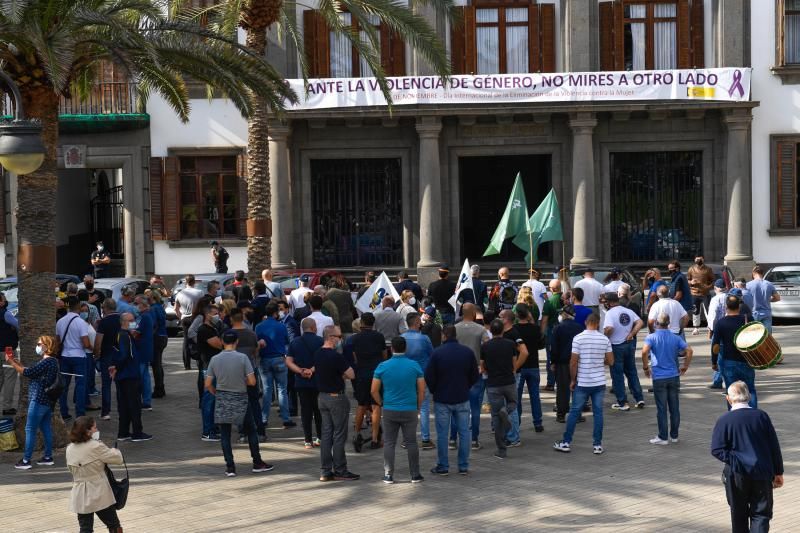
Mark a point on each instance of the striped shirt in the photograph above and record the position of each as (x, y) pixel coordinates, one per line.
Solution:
(591, 347)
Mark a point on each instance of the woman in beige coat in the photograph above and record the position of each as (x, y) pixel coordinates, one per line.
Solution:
(87, 457)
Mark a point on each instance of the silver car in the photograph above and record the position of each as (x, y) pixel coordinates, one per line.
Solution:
(787, 280)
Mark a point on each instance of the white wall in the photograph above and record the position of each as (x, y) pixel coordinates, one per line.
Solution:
(179, 261)
(778, 112)
(216, 123)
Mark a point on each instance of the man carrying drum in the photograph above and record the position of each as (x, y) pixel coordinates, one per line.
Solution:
(734, 365)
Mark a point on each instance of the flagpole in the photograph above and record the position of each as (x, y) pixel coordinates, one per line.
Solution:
(530, 240)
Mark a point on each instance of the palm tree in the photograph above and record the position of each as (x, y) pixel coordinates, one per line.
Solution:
(52, 47)
(258, 16)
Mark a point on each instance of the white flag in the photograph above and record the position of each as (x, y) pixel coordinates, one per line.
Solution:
(464, 283)
(371, 299)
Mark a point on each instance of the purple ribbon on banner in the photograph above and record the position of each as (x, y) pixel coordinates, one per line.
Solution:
(737, 84)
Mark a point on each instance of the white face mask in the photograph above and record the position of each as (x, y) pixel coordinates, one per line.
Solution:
(281, 315)
(412, 301)
(96, 435)
(561, 318)
(100, 248)
(40, 350)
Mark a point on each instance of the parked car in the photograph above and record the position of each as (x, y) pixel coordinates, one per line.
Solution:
(601, 274)
(9, 287)
(112, 287)
(201, 282)
(787, 280)
(288, 279)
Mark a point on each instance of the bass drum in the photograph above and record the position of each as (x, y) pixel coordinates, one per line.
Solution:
(758, 346)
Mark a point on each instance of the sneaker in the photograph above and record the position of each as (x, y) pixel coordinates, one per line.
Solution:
(476, 445)
(262, 439)
(463, 472)
(242, 439)
(581, 419)
(230, 471)
(561, 446)
(499, 455)
(95, 407)
(210, 438)
(417, 479)
(452, 445)
(403, 445)
(22, 464)
(105, 417)
(640, 404)
(673, 441)
(538, 429)
(289, 424)
(45, 461)
(326, 477)
(549, 388)
(93, 393)
(308, 445)
(695, 331)
(145, 408)
(123, 438)
(715, 386)
(358, 443)
(141, 437)
(262, 467)
(375, 445)
(428, 445)
(561, 419)
(346, 476)
(439, 470)
(9, 412)
(621, 406)
(597, 450)
(388, 479)
(656, 440)
(317, 442)
(515, 444)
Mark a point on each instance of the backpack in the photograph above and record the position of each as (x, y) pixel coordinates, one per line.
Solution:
(55, 389)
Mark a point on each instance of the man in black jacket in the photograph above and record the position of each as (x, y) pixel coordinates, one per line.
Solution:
(745, 440)
(560, 355)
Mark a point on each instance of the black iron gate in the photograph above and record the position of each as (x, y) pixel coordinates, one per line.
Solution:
(656, 205)
(357, 212)
(107, 211)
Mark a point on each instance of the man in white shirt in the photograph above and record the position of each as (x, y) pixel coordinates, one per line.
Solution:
(537, 288)
(273, 287)
(73, 332)
(716, 310)
(621, 325)
(315, 302)
(185, 302)
(678, 317)
(297, 296)
(615, 281)
(591, 351)
(592, 289)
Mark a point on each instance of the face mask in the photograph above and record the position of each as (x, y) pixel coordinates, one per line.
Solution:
(412, 301)
(651, 280)
(699, 262)
(89, 286)
(281, 315)
(133, 325)
(216, 319)
(96, 435)
(85, 315)
(339, 345)
(40, 350)
(561, 318)
(100, 248)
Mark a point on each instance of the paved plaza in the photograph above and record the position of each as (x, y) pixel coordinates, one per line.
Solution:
(178, 483)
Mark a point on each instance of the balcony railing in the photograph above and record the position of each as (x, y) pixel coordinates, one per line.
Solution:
(106, 98)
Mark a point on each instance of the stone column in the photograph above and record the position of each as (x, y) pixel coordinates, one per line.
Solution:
(281, 197)
(430, 198)
(580, 36)
(738, 187)
(585, 221)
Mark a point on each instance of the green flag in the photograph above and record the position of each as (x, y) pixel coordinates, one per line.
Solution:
(545, 225)
(514, 221)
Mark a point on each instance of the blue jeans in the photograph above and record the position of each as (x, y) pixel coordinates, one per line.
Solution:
(448, 318)
(625, 367)
(733, 371)
(39, 416)
(530, 376)
(579, 398)
(90, 385)
(74, 365)
(274, 370)
(766, 320)
(105, 390)
(551, 376)
(716, 379)
(425, 417)
(147, 385)
(207, 403)
(666, 394)
(475, 403)
(443, 412)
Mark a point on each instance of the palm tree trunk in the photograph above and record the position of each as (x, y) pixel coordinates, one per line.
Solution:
(35, 222)
(258, 192)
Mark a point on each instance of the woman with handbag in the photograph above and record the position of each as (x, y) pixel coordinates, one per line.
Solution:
(43, 376)
(87, 458)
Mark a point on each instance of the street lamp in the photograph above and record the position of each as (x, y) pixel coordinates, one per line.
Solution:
(21, 148)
